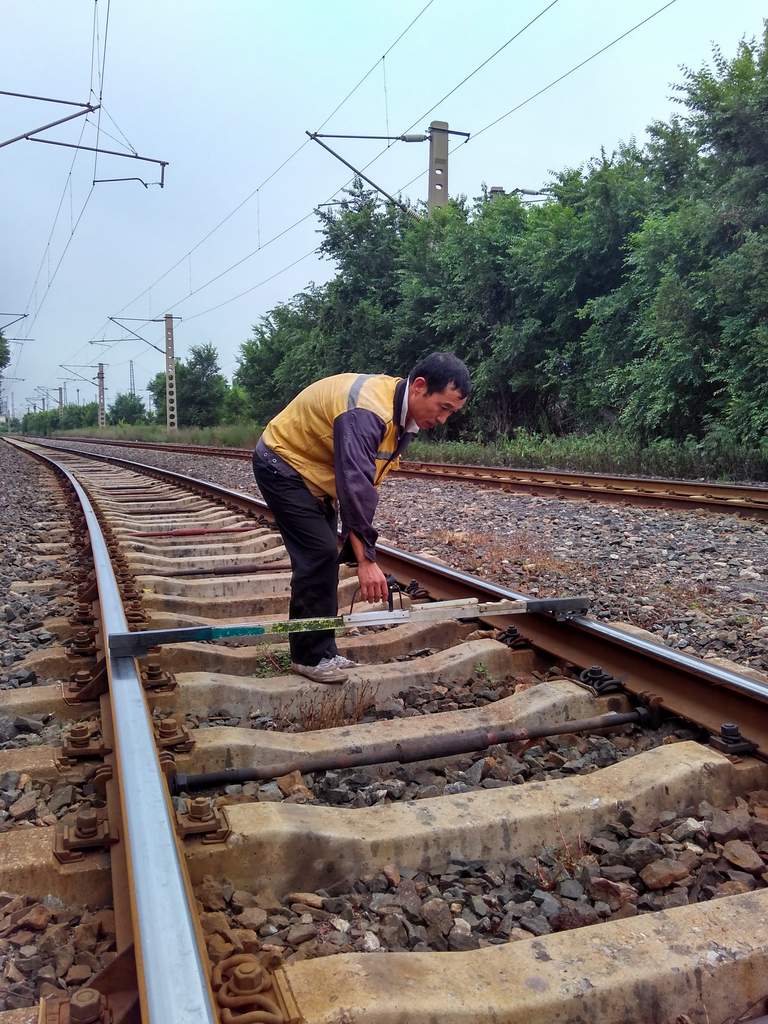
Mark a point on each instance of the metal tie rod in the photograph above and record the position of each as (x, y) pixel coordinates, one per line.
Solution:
(132, 645)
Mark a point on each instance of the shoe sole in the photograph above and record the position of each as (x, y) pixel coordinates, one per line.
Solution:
(333, 680)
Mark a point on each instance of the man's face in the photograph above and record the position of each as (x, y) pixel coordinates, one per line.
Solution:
(430, 410)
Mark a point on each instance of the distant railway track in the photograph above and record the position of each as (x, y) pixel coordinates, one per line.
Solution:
(429, 876)
(742, 500)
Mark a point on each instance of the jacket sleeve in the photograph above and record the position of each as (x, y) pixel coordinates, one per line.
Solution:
(357, 435)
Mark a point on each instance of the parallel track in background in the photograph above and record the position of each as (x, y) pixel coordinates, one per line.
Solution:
(170, 550)
(745, 500)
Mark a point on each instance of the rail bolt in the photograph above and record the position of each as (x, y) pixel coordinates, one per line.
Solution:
(153, 670)
(81, 677)
(247, 978)
(79, 734)
(85, 1006)
(83, 614)
(168, 727)
(86, 823)
(200, 809)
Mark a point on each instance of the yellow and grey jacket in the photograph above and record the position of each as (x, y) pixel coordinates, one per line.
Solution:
(342, 435)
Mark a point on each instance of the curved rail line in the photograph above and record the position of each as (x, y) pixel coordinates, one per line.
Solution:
(717, 966)
(742, 499)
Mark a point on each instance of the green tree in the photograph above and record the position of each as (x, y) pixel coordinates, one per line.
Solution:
(636, 294)
(127, 408)
(236, 407)
(5, 352)
(200, 389)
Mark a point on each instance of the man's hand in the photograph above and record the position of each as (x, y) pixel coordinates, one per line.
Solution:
(373, 582)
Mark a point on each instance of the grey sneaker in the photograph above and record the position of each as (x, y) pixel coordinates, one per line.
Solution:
(326, 671)
(343, 663)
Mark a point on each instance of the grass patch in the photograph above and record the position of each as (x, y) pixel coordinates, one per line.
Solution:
(605, 451)
(233, 435)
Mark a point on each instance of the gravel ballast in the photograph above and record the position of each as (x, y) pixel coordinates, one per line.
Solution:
(630, 867)
(49, 950)
(696, 579)
(31, 507)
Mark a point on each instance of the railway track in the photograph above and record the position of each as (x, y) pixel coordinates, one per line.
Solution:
(365, 872)
(741, 499)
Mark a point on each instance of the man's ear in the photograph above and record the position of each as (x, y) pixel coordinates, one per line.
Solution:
(419, 385)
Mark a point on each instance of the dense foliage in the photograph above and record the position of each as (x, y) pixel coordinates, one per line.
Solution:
(127, 408)
(69, 417)
(201, 389)
(5, 353)
(635, 296)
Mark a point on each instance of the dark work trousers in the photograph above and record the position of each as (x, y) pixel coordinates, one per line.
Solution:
(308, 527)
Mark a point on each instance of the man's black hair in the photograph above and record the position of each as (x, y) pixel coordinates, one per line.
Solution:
(440, 369)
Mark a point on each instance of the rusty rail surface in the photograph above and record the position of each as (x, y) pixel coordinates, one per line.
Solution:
(657, 492)
(701, 691)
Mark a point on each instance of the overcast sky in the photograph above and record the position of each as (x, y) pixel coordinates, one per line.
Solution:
(224, 92)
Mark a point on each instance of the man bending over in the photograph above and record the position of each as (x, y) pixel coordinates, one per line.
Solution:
(330, 448)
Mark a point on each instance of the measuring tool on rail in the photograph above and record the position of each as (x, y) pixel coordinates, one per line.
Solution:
(131, 645)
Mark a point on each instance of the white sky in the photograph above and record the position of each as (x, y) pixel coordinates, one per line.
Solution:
(225, 91)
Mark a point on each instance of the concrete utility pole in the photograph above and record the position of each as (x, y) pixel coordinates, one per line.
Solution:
(131, 378)
(102, 415)
(170, 376)
(438, 165)
(61, 400)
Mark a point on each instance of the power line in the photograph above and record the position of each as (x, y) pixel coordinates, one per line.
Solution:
(487, 60)
(61, 259)
(550, 85)
(274, 238)
(491, 124)
(575, 68)
(67, 184)
(484, 63)
(101, 86)
(253, 288)
(128, 142)
(285, 162)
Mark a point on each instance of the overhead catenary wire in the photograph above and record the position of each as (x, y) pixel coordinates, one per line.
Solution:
(67, 185)
(508, 113)
(101, 85)
(550, 85)
(255, 191)
(484, 63)
(253, 287)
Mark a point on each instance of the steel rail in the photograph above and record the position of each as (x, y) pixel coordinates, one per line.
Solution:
(658, 492)
(701, 691)
(173, 976)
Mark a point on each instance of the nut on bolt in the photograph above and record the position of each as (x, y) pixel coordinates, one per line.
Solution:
(247, 978)
(87, 823)
(80, 734)
(200, 809)
(85, 1006)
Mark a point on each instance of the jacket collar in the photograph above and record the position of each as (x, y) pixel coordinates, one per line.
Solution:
(403, 423)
